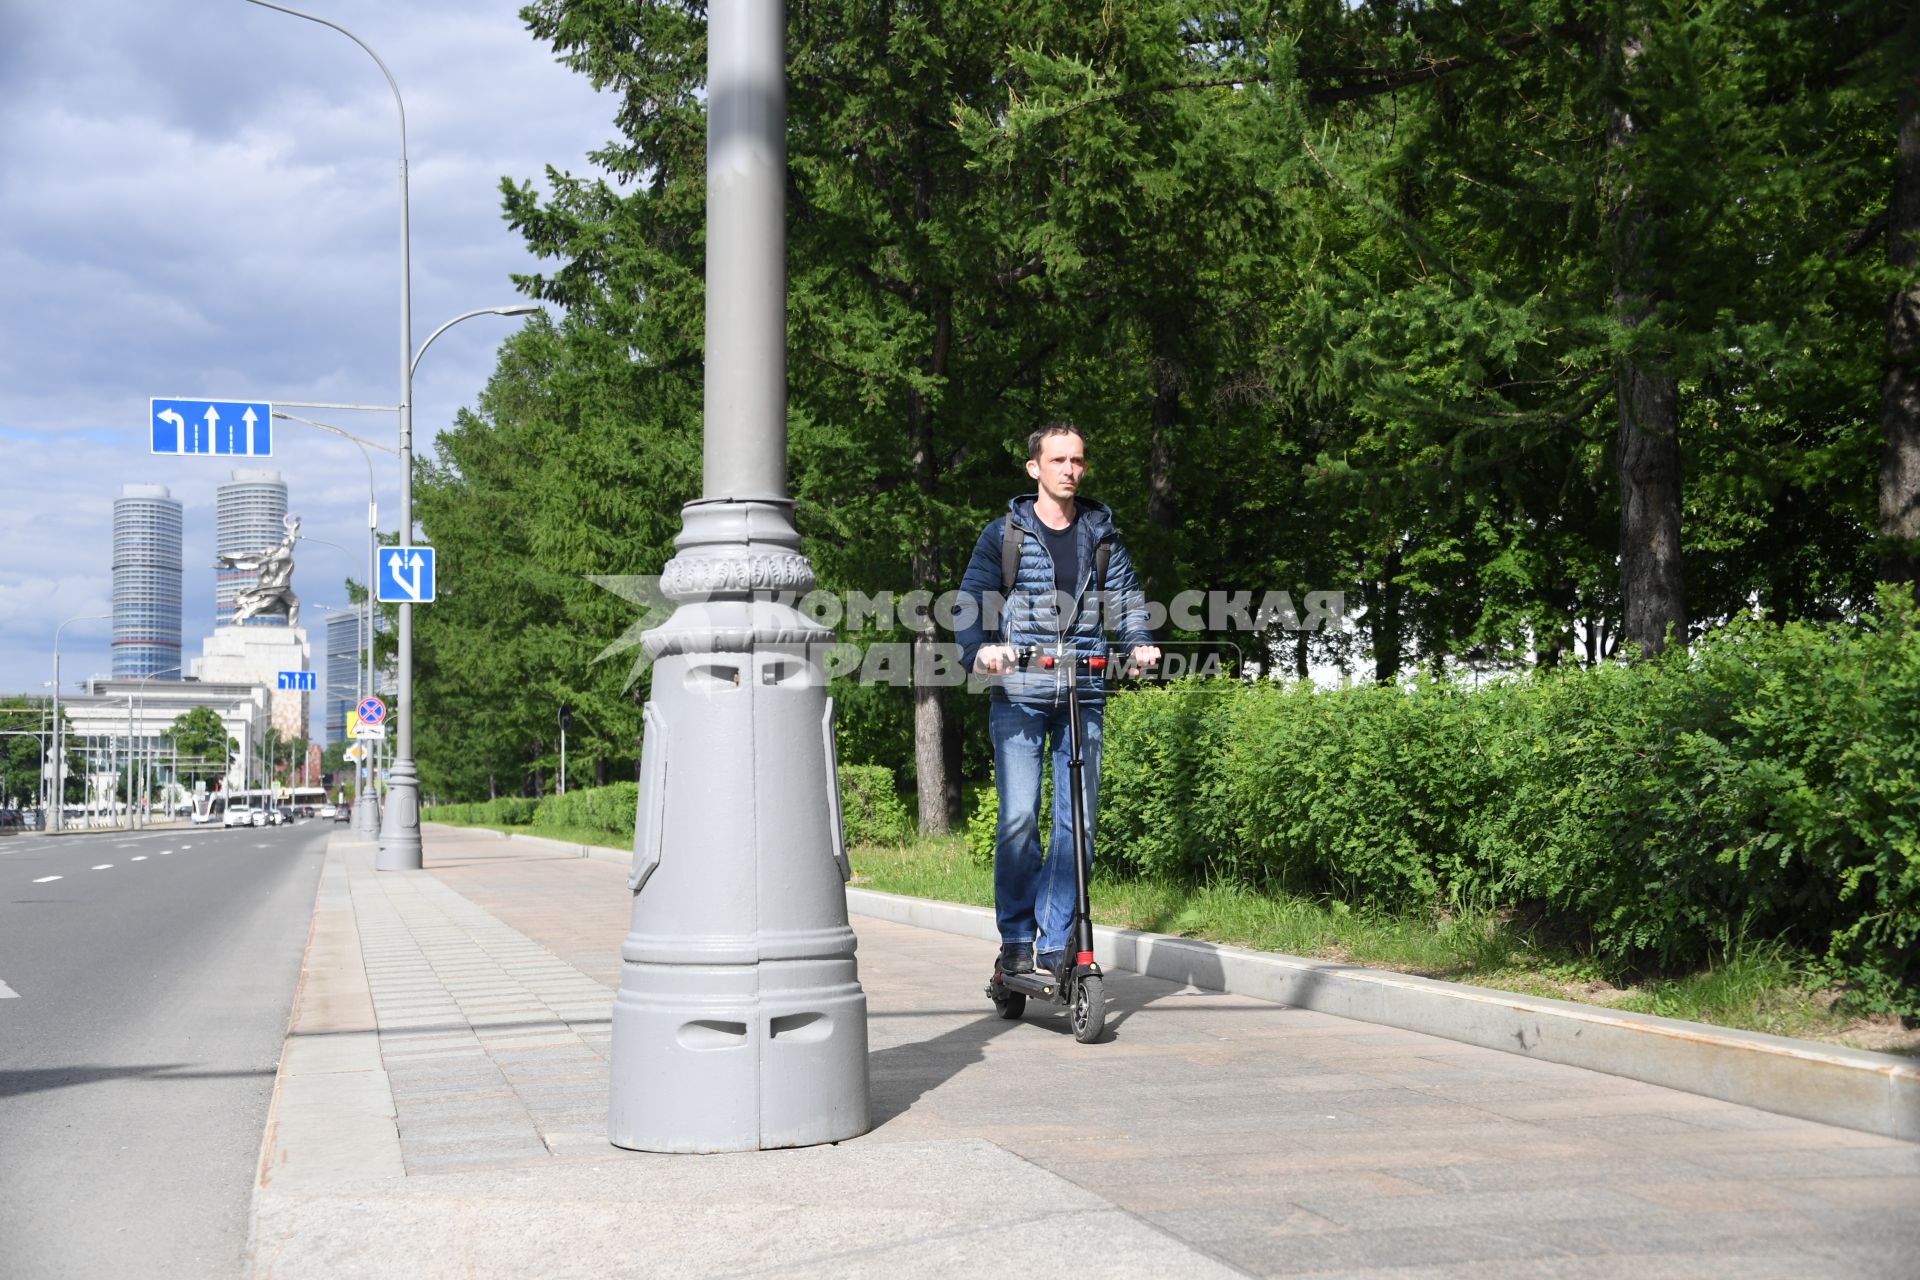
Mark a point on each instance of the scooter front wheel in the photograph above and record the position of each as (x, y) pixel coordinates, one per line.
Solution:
(1011, 1005)
(1089, 1015)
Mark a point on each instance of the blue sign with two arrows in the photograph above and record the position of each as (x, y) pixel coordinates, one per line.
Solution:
(406, 575)
(224, 428)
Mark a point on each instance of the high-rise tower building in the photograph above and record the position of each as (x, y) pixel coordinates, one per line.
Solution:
(250, 512)
(346, 667)
(146, 583)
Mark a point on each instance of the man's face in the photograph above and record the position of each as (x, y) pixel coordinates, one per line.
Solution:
(1060, 466)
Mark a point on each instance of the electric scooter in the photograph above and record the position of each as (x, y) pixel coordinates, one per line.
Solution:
(1080, 985)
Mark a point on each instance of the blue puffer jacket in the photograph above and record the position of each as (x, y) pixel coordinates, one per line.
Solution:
(1033, 616)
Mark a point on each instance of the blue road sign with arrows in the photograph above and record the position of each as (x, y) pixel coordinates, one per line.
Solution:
(406, 575)
(303, 681)
(216, 428)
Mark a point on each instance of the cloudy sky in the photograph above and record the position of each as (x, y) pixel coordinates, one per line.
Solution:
(199, 198)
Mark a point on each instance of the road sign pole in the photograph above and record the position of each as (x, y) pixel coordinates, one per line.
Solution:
(740, 1022)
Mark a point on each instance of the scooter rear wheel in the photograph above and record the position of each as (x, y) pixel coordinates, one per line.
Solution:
(1089, 1013)
(1011, 1005)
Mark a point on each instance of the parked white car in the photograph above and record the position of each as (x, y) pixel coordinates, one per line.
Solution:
(325, 811)
(238, 815)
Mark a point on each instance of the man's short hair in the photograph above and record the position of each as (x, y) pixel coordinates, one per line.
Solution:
(1035, 440)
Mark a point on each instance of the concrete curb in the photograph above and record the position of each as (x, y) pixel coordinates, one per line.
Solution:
(1853, 1088)
(332, 1113)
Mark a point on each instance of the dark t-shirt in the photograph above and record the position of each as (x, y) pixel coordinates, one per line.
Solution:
(1064, 544)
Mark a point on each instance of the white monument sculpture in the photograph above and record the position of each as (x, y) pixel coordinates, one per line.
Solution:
(251, 654)
(272, 595)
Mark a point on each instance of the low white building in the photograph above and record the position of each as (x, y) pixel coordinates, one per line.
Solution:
(117, 719)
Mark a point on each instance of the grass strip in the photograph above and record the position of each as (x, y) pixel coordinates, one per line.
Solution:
(1761, 988)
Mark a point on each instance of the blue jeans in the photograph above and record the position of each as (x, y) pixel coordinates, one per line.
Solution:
(1034, 901)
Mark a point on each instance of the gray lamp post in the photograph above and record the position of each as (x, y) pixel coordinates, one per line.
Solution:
(58, 819)
(740, 1022)
(400, 825)
(400, 820)
(366, 805)
(401, 855)
(142, 692)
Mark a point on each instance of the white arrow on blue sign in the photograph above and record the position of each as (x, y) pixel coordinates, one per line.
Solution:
(230, 428)
(300, 681)
(406, 575)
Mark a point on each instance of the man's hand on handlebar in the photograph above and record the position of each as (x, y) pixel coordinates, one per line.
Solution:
(993, 660)
(1143, 656)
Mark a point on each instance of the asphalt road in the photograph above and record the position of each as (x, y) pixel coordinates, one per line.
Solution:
(145, 982)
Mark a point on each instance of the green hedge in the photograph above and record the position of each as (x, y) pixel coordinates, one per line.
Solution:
(504, 811)
(610, 809)
(871, 810)
(1763, 785)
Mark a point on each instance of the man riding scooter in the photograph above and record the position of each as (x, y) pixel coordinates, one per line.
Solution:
(1064, 576)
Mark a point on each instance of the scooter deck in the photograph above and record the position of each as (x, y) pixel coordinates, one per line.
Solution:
(1042, 985)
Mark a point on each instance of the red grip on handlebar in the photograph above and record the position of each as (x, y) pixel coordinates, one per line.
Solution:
(1046, 660)
(1097, 664)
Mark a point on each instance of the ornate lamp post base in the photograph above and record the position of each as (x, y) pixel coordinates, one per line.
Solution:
(400, 822)
(740, 1022)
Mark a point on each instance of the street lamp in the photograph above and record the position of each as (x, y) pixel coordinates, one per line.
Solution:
(366, 809)
(400, 820)
(400, 828)
(740, 1022)
(142, 691)
(59, 738)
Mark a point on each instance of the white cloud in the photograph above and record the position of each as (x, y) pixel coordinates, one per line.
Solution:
(202, 199)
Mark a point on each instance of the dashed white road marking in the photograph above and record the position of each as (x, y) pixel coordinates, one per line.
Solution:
(105, 866)
(138, 857)
(165, 852)
(46, 879)
(8, 993)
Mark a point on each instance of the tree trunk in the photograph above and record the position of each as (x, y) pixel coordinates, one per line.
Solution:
(1647, 443)
(1383, 620)
(1647, 455)
(1900, 388)
(933, 785)
(1167, 377)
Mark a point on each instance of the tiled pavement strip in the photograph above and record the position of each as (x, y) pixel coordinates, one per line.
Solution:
(1210, 1134)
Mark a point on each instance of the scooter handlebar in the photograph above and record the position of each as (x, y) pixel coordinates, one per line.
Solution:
(1120, 659)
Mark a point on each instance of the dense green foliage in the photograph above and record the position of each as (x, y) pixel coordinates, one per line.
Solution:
(23, 748)
(1343, 294)
(1537, 327)
(205, 748)
(1763, 785)
(871, 811)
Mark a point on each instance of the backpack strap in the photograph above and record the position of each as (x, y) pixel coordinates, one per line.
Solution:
(1011, 536)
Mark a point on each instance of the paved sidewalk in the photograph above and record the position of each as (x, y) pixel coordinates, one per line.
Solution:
(441, 1111)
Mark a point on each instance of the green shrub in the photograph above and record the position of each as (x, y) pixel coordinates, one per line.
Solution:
(610, 809)
(503, 811)
(1761, 786)
(871, 810)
